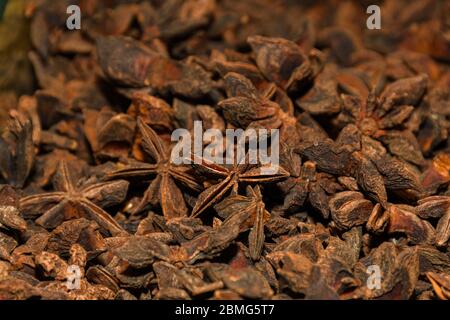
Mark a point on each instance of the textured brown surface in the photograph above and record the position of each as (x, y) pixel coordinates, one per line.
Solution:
(86, 180)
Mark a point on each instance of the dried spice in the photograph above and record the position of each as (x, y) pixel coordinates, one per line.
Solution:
(356, 205)
(162, 189)
(71, 201)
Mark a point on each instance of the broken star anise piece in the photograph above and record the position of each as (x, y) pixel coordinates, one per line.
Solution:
(17, 150)
(9, 213)
(440, 283)
(71, 201)
(254, 206)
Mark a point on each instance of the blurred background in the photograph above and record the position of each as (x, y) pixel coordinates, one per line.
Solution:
(197, 27)
(16, 74)
(15, 69)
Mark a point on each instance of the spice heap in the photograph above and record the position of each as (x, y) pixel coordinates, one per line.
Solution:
(92, 207)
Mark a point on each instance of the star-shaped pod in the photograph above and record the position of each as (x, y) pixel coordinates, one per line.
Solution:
(384, 116)
(71, 201)
(230, 177)
(162, 189)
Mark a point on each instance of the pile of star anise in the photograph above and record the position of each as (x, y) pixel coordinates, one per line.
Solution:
(92, 207)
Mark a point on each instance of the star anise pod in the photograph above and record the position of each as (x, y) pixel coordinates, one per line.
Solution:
(253, 207)
(297, 189)
(72, 201)
(162, 189)
(231, 176)
(372, 112)
(248, 107)
(364, 159)
(391, 109)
